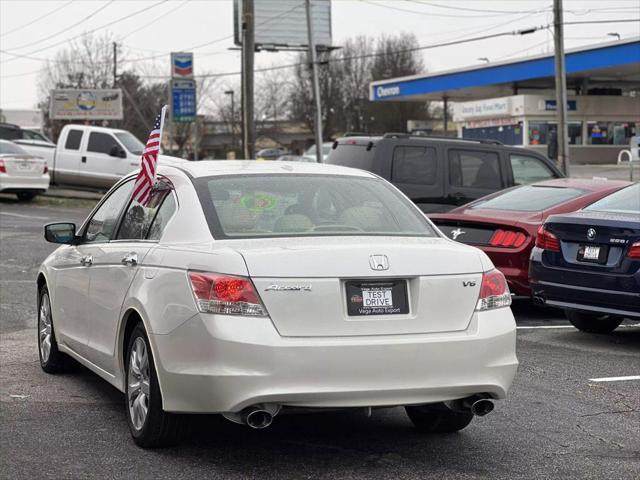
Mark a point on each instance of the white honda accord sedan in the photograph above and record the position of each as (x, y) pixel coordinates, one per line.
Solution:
(252, 289)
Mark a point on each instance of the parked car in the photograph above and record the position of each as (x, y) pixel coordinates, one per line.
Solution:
(310, 153)
(33, 141)
(588, 262)
(21, 173)
(505, 224)
(269, 154)
(244, 288)
(441, 173)
(95, 157)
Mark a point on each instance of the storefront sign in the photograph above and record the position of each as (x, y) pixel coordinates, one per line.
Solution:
(86, 104)
(550, 105)
(497, 107)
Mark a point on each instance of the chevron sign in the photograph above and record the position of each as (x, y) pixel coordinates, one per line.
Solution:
(182, 65)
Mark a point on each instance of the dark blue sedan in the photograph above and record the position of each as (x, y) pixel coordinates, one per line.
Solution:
(588, 262)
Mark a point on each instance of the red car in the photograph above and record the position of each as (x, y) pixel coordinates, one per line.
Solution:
(504, 224)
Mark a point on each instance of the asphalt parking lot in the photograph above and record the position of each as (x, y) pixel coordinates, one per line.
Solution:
(559, 420)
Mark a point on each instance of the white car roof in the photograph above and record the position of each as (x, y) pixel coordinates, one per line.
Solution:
(97, 129)
(206, 168)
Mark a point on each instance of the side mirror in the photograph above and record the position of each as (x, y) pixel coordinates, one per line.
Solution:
(117, 151)
(64, 233)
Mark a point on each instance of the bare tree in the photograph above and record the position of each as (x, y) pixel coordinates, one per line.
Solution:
(344, 84)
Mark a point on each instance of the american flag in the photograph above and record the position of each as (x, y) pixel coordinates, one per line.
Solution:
(147, 176)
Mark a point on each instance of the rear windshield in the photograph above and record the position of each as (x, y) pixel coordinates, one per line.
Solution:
(10, 148)
(252, 206)
(626, 200)
(354, 156)
(530, 198)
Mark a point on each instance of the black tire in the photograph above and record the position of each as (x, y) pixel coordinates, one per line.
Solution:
(437, 418)
(159, 428)
(26, 196)
(54, 361)
(592, 323)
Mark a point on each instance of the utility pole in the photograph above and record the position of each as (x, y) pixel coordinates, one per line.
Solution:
(115, 64)
(233, 119)
(248, 52)
(316, 87)
(561, 88)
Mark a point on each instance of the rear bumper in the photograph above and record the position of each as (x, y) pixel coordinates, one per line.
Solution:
(215, 363)
(554, 288)
(14, 183)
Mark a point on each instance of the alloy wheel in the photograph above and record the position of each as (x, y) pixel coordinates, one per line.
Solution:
(138, 378)
(44, 328)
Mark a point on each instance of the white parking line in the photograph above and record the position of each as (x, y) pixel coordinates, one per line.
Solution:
(615, 379)
(23, 216)
(552, 327)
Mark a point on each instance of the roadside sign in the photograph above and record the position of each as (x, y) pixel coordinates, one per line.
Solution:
(183, 100)
(181, 65)
(86, 104)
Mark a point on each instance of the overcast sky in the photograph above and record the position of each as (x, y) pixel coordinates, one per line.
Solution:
(38, 28)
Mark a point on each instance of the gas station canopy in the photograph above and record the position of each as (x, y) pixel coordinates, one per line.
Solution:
(596, 68)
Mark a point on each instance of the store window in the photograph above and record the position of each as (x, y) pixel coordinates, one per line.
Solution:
(610, 133)
(507, 134)
(540, 132)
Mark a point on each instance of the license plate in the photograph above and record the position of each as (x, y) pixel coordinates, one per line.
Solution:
(592, 253)
(377, 298)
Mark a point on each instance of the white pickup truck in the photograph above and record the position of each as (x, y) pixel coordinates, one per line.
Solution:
(94, 157)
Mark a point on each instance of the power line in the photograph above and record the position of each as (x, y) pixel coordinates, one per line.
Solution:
(65, 29)
(159, 17)
(445, 15)
(377, 54)
(48, 14)
(126, 17)
(588, 22)
(480, 10)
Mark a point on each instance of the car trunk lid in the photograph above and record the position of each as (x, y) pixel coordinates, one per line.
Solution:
(23, 165)
(319, 287)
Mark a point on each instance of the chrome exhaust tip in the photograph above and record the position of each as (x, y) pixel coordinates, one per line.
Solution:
(258, 419)
(482, 407)
(256, 416)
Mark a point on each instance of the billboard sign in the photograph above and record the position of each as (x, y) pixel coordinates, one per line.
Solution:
(283, 23)
(86, 104)
(183, 100)
(181, 65)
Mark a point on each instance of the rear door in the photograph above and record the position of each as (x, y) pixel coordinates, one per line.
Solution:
(473, 173)
(416, 171)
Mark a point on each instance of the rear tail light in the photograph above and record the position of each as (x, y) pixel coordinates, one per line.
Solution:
(3, 169)
(226, 294)
(547, 240)
(507, 238)
(634, 251)
(494, 291)
(46, 169)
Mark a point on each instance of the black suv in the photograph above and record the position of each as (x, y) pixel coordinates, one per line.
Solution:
(441, 173)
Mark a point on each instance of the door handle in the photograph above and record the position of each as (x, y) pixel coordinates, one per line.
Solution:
(130, 259)
(83, 159)
(86, 261)
(459, 197)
